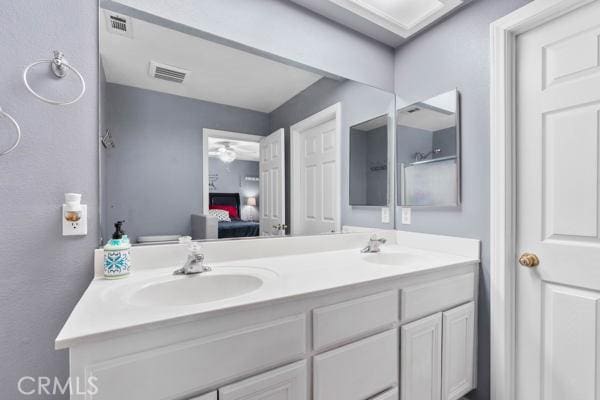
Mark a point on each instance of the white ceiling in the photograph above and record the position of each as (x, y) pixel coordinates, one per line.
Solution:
(429, 119)
(245, 150)
(392, 22)
(374, 123)
(219, 73)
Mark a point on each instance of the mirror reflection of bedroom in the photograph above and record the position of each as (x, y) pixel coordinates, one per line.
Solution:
(205, 140)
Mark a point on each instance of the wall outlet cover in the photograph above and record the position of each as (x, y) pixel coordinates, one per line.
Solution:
(74, 223)
(406, 215)
(385, 215)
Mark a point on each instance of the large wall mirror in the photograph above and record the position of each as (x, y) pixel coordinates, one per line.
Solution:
(428, 152)
(206, 140)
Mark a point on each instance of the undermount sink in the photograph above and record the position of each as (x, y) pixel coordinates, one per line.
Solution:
(390, 258)
(194, 289)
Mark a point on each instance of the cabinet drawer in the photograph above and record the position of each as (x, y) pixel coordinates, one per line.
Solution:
(200, 363)
(391, 394)
(351, 319)
(429, 298)
(359, 370)
(285, 383)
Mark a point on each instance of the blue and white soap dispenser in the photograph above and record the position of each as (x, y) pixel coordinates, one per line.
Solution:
(117, 260)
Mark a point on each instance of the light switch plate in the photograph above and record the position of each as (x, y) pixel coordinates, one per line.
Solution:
(406, 215)
(75, 228)
(385, 215)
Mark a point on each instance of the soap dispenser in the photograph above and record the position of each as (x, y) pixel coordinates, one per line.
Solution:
(117, 260)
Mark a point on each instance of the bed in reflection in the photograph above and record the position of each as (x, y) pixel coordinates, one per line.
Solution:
(234, 227)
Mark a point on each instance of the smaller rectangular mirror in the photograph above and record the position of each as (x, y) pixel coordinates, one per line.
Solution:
(428, 152)
(368, 162)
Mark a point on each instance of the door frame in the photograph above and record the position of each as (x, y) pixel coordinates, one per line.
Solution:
(329, 113)
(503, 35)
(215, 133)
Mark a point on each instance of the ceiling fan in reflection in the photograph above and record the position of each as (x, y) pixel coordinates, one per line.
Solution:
(224, 153)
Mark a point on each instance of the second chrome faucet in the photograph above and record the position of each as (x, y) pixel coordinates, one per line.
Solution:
(373, 245)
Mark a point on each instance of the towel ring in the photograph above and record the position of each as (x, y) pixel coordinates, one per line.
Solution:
(60, 67)
(17, 127)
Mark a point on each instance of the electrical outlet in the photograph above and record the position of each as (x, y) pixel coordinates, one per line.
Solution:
(74, 222)
(406, 215)
(385, 215)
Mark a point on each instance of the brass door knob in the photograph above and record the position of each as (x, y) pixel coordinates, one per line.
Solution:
(529, 260)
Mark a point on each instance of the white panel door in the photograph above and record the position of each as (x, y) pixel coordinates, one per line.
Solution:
(272, 184)
(458, 346)
(286, 383)
(421, 359)
(318, 179)
(558, 121)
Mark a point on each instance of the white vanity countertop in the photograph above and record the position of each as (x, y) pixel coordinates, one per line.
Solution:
(103, 310)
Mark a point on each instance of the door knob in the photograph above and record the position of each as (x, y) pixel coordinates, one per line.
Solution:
(529, 260)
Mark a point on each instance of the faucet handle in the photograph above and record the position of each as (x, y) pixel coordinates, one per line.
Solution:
(196, 252)
(374, 238)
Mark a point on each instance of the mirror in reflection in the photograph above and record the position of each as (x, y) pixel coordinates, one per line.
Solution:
(368, 162)
(428, 152)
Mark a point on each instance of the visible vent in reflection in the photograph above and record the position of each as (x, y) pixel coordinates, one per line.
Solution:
(118, 24)
(413, 110)
(168, 72)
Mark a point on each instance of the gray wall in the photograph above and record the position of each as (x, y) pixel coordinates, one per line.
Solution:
(377, 156)
(357, 186)
(44, 273)
(455, 54)
(155, 171)
(368, 150)
(280, 28)
(231, 179)
(359, 103)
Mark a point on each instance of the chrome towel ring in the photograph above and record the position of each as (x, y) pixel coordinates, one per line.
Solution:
(60, 67)
(18, 129)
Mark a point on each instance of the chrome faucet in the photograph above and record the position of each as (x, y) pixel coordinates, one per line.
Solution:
(373, 246)
(194, 264)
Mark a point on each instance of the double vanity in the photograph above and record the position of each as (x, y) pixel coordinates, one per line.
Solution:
(291, 318)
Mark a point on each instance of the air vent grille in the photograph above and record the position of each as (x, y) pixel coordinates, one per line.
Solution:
(414, 110)
(168, 72)
(118, 24)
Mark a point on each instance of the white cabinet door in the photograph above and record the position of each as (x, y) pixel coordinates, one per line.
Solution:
(457, 351)
(207, 396)
(421, 359)
(285, 383)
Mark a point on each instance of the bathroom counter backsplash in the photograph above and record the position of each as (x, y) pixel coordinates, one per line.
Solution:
(287, 267)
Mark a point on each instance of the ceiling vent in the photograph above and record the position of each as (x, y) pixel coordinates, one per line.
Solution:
(168, 72)
(413, 110)
(118, 24)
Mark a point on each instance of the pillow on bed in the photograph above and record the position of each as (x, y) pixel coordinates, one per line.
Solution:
(222, 215)
(231, 210)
